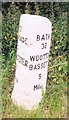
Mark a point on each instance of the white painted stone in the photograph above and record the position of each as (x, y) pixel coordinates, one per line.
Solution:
(32, 60)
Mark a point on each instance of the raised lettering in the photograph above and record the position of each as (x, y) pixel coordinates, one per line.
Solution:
(38, 66)
(44, 45)
(38, 37)
(32, 58)
(41, 57)
(43, 37)
(30, 67)
(35, 67)
(22, 60)
(36, 87)
(37, 57)
(26, 63)
(22, 39)
(40, 76)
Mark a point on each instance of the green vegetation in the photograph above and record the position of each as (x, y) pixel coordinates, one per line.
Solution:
(54, 102)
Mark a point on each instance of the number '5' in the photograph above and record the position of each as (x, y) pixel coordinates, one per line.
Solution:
(40, 76)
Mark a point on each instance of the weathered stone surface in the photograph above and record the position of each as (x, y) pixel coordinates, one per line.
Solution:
(32, 60)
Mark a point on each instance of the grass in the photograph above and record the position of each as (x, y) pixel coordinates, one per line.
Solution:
(54, 102)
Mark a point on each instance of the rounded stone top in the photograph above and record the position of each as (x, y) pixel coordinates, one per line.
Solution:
(34, 19)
